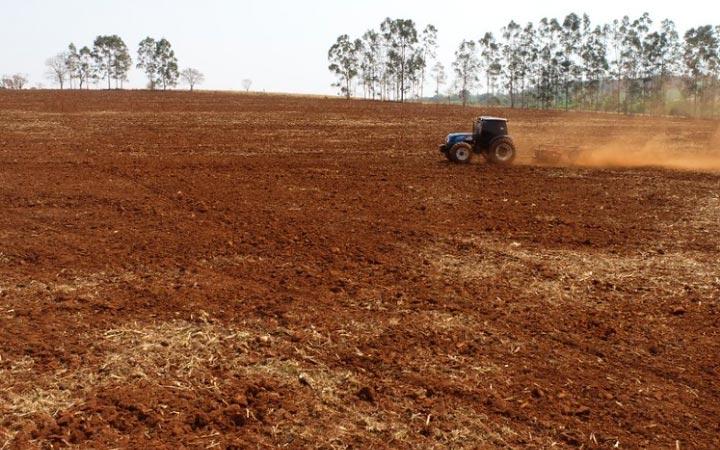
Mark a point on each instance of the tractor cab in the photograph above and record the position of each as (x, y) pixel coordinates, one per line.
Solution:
(489, 138)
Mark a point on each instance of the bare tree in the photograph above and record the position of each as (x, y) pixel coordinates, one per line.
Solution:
(17, 81)
(192, 77)
(58, 69)
(247, 84)
(20, 80)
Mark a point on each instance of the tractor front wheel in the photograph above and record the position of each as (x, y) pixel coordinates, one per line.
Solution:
(461, 153)
(502, 151)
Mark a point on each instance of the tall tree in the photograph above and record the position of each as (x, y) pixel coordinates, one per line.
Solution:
(512, 55)
(428, 49)
(371, 62)
(157, 59)
(529, 52)
(112, 59)
(147, 60)
(72, 61)
(593, 54)
(570, 40)
(167, 64)
(466, 67)
(415, 71)
(86, 71)
(80, 64)
(402, 37)
(388, 73)
(663, 54)
(490, 52)
(617, 31)
(439, 76)
(635, 61)
(344, 63)
(702, 59)
(549, 61)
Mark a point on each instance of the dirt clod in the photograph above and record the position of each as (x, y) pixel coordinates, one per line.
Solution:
(366, 394)
(679, 311)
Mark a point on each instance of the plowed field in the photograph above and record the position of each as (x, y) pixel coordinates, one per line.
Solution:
(218, 270)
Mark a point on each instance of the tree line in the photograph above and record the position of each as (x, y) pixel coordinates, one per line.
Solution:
(109, 60)
(628, 66)
(390, 63)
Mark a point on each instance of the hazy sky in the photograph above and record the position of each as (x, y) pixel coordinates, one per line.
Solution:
(280, 44)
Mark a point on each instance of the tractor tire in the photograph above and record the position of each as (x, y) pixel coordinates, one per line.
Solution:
(502, 151)
(461, 153)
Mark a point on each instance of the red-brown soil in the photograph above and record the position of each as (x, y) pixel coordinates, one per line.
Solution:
(229, 271)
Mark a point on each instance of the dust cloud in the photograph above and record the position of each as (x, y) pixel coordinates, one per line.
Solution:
(659, 151)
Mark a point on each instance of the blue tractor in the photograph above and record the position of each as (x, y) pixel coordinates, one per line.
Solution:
(489, 138)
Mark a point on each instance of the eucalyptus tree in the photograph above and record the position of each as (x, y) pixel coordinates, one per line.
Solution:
(415, 71)
(81, 66)
(344, 63)
(547, 75)
(168, 72)
(669, 59)
(71, 62)
(371, 62)
(593, 55)
(702, 61)
(402, 38)
(570, 38)
(428, 46)
(121, 69)
(147, 60)
(512, 59)
(466, 67)
(86, 70)
(387, 74)
(528, 65)
(112, 59)
(616, 32)
(634, 60)
(663, 54)
(439, 77)
(158, 60)
(490, 53)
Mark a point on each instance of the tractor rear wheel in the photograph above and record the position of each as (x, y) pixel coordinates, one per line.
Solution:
(502, 151)
(461, 153)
